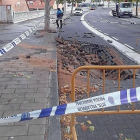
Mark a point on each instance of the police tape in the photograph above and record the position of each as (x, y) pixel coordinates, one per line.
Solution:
(17, 40)
(93, 103)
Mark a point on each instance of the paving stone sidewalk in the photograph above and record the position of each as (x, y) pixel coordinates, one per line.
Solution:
(28, 81)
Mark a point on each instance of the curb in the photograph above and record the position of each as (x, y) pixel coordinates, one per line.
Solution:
(136, 16)
(54, 127)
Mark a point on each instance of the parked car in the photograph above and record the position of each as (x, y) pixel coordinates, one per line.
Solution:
(78, 11)
(100, 4)
(92, 8)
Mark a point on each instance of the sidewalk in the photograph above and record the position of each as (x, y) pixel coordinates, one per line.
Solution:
(29, 82)
(134, 13)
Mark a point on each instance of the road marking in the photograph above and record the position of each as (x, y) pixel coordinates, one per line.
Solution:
(115, 38)
(129, 46)
(123, 19)
(106, 34)
(103, 21)
(122, 26)
(129, 21)
(111, 13)
(125, 50)
(113, 22)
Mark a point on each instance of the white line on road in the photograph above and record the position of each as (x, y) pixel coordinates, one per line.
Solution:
(123, 18)
(120, 47)
(129, 46)
(106, 34)
(110, 13)
(115, 38)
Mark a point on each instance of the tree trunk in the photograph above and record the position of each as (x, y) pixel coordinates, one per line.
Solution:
(64, 6)
(27, 4)
(137, 8)
(108, 3)
(47, 14)
(57, 3)
(72, 7)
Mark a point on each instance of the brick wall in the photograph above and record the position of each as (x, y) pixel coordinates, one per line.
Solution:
(17, 5)
(37, 4)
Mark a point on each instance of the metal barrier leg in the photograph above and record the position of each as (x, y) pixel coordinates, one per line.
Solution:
(72, 127)
(103, 112)
(137, 41)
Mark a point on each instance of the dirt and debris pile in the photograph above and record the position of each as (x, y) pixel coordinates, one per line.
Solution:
(72, 55)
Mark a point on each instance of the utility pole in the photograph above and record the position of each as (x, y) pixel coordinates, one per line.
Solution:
(47, 14)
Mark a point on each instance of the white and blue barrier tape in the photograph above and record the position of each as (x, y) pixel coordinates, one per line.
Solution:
(17, 40)
(97, 102)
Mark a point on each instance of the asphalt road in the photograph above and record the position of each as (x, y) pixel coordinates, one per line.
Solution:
(125, 30)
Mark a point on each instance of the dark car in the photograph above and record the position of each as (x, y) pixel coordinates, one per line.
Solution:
(92, 7)
(100, 4)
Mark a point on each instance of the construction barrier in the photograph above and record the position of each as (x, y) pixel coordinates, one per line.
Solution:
(97, 102)
(17, 40)
(116, 98)
(137, 41)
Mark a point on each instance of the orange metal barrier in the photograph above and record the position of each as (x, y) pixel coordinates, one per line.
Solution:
(103, 112)
(137, 41)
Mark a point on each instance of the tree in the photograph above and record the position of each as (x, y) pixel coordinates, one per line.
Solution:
(47, 14)
(27, 4)
(137, 7)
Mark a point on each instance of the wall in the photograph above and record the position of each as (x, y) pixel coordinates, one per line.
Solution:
(36, 4)
(17, 5)
(22, 16)
(6, 14)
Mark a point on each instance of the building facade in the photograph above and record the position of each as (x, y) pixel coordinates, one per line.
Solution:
(36, 4)
(17, 5)
(25, 5)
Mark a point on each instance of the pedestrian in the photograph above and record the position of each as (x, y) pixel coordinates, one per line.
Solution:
(59, 18)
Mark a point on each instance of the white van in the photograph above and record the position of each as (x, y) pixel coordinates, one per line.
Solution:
(123, 9)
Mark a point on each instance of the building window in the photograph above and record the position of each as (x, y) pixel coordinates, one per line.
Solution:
(18, 3)
(31, 2)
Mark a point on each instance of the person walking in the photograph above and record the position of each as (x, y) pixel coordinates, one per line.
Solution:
(59, 18)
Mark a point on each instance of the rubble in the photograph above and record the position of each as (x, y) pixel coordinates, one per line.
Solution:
(72, 55)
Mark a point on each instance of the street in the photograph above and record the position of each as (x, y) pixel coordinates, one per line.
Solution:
(125, 30)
